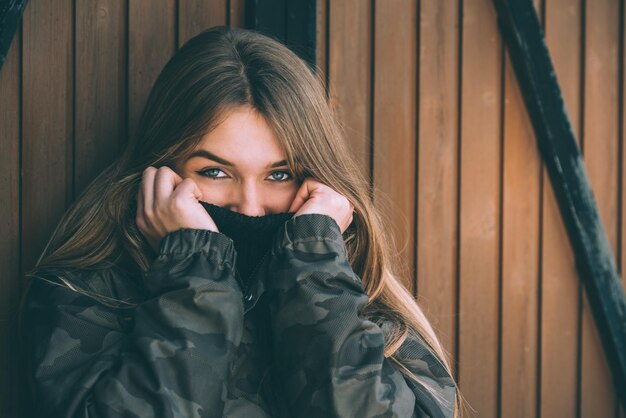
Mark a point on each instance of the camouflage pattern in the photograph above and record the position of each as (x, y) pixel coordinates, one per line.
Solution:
(195, 346)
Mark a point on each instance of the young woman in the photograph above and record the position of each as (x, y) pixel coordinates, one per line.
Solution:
(230, 263)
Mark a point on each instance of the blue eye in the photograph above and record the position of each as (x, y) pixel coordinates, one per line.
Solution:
(285, 173)
(209, 172)
(277, 176)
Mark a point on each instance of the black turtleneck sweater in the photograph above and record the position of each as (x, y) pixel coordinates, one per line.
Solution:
(251, 235)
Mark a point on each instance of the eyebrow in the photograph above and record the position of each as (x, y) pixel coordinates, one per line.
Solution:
(209, 155)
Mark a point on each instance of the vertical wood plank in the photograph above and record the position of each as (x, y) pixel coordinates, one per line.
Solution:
(479, 259)
(237, 13)
(437, 200)
(194, 16)
(521, 204)
(10, 281)
(600, 154)
(322, 39)
(560, 283)
(100, 87)
(519, 256)
(151, 43)
(350, 74)
(394, 121)
(47, 123)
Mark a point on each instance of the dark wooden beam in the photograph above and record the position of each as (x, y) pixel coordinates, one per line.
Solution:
(10, 15)
(290, 21)
(529, 54)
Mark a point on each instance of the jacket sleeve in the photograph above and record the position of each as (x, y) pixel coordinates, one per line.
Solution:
(172, 361)
(329, 358)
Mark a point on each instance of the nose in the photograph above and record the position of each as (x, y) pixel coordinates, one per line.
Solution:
(248, 201)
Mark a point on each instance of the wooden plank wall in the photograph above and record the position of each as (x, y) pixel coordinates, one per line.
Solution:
(429, 104)
(429, 101)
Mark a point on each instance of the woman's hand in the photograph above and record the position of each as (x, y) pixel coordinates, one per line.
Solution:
(316, 197)
(166, 202)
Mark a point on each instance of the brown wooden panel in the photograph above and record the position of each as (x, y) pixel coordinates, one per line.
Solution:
(521, 205)
(47, 122)
(10, 280)
(437, 200)
(194, 16)
(600, 140)
(151, 43)
(350, 74)
(237, 16)
(394, 121)
(479, 235)
(321, 22)
(100, 87)
(560, 284)
(520, 256)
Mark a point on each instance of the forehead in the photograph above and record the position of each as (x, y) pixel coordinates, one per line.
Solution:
(243, 136)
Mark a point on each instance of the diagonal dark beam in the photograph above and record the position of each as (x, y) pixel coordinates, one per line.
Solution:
(10, 15)
(529, 54)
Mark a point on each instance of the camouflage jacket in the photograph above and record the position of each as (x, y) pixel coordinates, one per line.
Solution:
(295, 345)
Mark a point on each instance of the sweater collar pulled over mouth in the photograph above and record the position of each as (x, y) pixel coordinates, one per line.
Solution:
(252, 235)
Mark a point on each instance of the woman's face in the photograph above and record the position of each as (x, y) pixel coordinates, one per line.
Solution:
(241, 166)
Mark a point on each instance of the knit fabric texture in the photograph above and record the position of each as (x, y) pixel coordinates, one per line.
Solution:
(251, 235)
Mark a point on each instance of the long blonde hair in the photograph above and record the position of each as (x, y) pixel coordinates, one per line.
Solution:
(216, 71)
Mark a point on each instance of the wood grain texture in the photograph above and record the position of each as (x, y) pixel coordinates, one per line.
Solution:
(480, 183)
(600, 135)
(151, 43)
(100, 88)
(350, 74)
(394, 132)
(322, 39)
(437, 199)
(520, 257)
(237, 13)
(47, 124)
(521, 206)
(560, 285)
(10, 281)
(195, 16)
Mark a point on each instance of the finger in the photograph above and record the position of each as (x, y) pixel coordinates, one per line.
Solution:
(147, 189)
(188, 187)
(164, 184)
(177, 178)
(301, 196)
